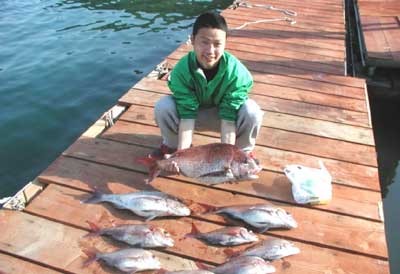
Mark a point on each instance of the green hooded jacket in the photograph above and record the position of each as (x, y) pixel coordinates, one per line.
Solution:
(228, 89)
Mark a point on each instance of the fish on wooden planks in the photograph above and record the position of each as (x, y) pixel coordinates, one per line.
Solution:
(227, 236)
(271, 249)
(141, 235)
(261, 216)
(211, 164)
(244, 265)
(147, 204)
(129, 260)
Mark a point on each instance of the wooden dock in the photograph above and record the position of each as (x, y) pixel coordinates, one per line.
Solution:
(380, 32)
(312, 112)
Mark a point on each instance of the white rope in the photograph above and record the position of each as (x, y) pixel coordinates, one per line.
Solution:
(291, 21)
(239, 3)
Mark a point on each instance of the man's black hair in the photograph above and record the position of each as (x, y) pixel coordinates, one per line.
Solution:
(210, 19)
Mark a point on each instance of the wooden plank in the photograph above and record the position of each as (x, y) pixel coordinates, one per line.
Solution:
(334, 66)
(285, 122)
(261, 59)
(306, 262)
(329, 63)
(123, 155)
(319, 112)
(322, 16)
(148, 83)
(295, 73)
(271, 185)
(375, 41)
(326, 54)
(63, 249)
(314, 85)
(302, 22)
(366, 237)
(379, 8)
(10, 264)
(271, 137)
(266, 86)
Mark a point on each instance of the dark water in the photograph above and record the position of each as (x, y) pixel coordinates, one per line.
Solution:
(63, 63)
(385, 117)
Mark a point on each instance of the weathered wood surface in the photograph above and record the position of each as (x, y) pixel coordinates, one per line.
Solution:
(11, 264)
(325, 128)
(382, 8)
(381, 31)
(56, 245)
(312, 112)
(104, 214)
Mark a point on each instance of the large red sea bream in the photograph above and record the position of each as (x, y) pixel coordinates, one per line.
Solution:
(211, 164)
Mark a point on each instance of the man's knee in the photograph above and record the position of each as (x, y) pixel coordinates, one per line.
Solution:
(252, 112)
(164, 106)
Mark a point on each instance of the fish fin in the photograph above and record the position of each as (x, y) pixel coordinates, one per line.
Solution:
(202, 266)
(207, 209)
(94, 199)
(94, 229)
(151, 163)
(231, 253)
(146, 161)
(91, 254)
(150, 218)
(195, 231)
(263, 229)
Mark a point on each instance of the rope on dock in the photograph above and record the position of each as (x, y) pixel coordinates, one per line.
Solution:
(239, 3)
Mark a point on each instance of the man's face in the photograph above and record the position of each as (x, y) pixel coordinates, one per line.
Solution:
(209, 45)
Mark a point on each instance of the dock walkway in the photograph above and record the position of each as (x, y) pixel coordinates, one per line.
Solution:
(379, 21)
(312, 112)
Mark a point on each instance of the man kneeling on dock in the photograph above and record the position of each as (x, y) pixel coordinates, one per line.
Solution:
(209, 92)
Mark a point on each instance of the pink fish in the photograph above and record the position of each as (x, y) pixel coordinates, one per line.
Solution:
(129, 260)
(227, 236)
(211, 164)
(142, 235)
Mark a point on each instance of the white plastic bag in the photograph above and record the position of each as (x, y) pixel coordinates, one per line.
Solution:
(310, 185)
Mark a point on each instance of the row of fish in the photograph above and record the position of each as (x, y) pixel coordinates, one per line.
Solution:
(133, 260)
(152, 204)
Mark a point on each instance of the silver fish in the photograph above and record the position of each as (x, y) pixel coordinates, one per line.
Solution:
(272, 249)
(211, 164)
(227, 236)
(245, 265)
(260, 216)
(142, 235)
(148, 204)
(128, 260)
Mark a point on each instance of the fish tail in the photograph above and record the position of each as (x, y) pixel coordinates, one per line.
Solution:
(154, 171)
(91, 254)
(95, 229)
(231, 253)
(202, 266)
(94, 199)
(151, 163)
(195, 231)
(209, 209)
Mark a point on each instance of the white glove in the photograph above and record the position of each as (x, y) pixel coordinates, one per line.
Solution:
(186, 127)
(228, 132)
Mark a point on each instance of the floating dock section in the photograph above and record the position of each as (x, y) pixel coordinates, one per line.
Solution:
(313, 112)
(379, 24)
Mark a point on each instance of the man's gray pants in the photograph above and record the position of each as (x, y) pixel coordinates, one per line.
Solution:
(248, 122)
